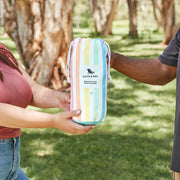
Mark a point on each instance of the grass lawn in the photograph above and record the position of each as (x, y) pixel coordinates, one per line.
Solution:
(133, 143)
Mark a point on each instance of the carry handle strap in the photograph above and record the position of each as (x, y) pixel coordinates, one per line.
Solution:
(109, 60)
(68, 62)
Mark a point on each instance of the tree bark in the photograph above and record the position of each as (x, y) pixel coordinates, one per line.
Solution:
(132, 5)
(167, 17)
(42, 31)
(103, 16)
(157, 7)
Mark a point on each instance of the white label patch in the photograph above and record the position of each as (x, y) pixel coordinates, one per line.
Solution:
(90, 75)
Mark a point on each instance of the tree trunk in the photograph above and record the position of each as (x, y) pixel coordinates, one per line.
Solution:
(132, 5)
(157, 6)
(42, 31)
(167, 17)
(103, 16)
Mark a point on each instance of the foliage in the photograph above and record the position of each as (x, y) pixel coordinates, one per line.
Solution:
(82, 15)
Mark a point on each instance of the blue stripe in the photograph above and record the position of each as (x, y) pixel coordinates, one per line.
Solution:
(103, 81)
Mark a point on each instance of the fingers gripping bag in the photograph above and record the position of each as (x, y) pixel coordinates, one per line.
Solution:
(88, 66)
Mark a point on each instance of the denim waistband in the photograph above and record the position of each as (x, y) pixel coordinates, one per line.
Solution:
(9, 140)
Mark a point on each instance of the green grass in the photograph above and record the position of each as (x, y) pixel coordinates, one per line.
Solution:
(133, 143)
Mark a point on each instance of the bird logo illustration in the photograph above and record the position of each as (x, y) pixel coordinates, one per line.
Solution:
(90, 71)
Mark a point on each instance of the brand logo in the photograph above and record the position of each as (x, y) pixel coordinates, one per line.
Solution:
(90, 71)
(89, 75)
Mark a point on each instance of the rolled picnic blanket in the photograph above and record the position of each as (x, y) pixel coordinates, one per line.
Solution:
(88, 66)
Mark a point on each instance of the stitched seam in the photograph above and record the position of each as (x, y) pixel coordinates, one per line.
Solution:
(14, 154)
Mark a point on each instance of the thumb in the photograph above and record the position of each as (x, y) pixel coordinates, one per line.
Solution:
(70, 114)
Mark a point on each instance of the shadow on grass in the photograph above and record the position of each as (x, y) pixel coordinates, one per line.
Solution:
(117, 105)
(121, 42)
(95, 156)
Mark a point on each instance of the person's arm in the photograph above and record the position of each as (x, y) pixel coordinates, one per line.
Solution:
(17, 117)
(45, 97)
(150, 71)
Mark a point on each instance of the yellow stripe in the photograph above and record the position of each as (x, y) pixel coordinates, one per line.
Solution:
(86, 95)
(86, 54)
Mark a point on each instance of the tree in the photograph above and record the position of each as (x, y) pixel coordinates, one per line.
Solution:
(103, 16)
(166, 19)
(42, 31)
(132, 5)
(157, 6)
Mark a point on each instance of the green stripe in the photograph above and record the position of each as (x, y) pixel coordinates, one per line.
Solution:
(96, 103)
(96, 62)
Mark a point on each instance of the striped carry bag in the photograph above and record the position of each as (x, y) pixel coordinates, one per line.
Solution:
(88, 67)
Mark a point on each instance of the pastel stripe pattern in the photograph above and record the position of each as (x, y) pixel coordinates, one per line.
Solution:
(89, 80)
(91, 92)
(87, 99)
(82, 95)
(104, 80)
(77, 77)
(73, 75)
(86, 56)
(96, 105)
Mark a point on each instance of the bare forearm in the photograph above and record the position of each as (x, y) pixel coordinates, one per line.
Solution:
(44, 97)
(16, 117)
(150, 71)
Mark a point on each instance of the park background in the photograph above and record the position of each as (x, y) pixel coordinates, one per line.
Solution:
(135, 140)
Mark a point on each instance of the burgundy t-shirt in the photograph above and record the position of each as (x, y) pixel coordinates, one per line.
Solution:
(14, 90)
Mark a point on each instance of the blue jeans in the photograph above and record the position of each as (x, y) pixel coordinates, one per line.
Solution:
(10, 160)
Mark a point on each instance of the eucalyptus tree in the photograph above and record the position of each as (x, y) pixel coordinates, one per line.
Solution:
(164, 13)
(103, 13)
(42, 31)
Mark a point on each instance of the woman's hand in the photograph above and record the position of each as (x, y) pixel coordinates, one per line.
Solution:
(45, 97)
(64, 122)
(17, 117)
(64, 101)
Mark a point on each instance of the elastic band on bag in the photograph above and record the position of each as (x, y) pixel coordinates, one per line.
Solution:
(109, 59)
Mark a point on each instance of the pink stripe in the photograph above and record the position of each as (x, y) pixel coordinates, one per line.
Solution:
(78, 52)
(72, 76)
